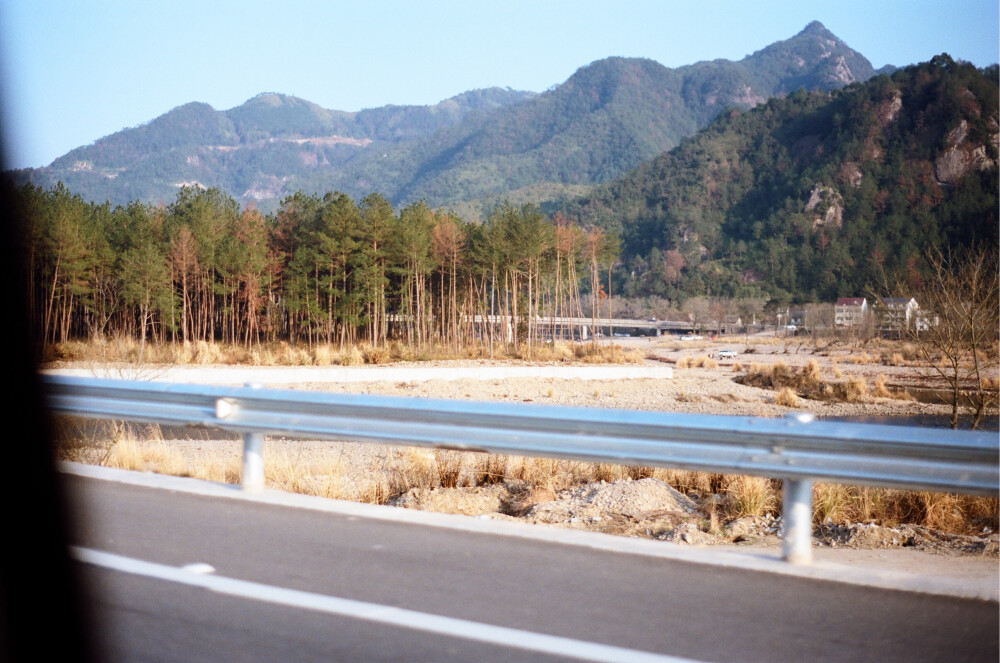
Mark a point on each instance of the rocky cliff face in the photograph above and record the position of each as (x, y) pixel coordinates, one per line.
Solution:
(960, 154)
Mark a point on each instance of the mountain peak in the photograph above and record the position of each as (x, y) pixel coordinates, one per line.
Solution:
(816, 28)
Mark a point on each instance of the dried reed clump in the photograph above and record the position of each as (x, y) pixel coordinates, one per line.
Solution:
(811, 371)
(185, 353)
(416, 468)
(704, 361)
(351, 357)
(130, 454)
(691, 481)
(910, 352)
(833, 502)
(324, 355)
(837, 373)
(749, 496)
(489, 469)
(879, 389)
(989, 384)
(637, 472)
(780, 370)
(206, 353)
(682, 362)
(608, 472)
(449, 467)
(593, 353)
(787, 397)
(896, 359)
(561, 351)
(737, 367)
(376, 355)
(862, 358)
(856, 389)
(549, 473)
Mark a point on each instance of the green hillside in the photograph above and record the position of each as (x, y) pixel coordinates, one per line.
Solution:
(467, 151)
(814, 195)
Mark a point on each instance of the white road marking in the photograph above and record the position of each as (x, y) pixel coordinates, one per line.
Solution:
(198, 567)
(383, 614)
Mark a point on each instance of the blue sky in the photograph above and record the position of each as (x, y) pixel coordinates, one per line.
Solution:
(74, 71)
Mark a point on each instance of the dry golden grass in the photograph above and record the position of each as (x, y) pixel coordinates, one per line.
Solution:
(128, 454)
(749, 496)
(837, 373)
(896, 360)
(352, 357)
(879, 389)
(862, 358)
(737, 367)
(787, 397)
(856, 389)
(608, 472)
(323, 355)
(376, 355)
(488, 469)
(811, 371)
(126, 352)
(831, 501)
(606, 354)
(704, 361)
(682, 362)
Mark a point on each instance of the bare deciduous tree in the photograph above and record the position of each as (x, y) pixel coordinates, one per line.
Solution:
(957, 326)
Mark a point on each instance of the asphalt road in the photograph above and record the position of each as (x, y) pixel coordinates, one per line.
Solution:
(291, 584)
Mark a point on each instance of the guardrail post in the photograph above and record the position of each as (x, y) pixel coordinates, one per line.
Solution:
(796, 512)
(252, 478)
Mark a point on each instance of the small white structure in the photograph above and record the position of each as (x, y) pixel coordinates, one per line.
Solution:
(897, 314)
(850, 311)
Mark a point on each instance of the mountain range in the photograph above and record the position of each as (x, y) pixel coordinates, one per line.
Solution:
(467, 152)
(814, 195)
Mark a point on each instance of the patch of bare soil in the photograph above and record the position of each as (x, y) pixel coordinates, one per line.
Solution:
(651, 508)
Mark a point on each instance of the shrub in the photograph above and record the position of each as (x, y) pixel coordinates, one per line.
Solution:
(787, 397)
(376, 355)
(352, 357)
(749, 496)
(857, 389)
(323, 355)
(811, 371)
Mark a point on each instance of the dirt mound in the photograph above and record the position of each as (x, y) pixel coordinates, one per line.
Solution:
(640, 500)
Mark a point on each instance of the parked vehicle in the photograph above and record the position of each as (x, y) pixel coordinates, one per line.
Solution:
(728, 354)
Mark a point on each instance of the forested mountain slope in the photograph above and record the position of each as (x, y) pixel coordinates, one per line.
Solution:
(814, 195)
(258, 151)
(479, 146)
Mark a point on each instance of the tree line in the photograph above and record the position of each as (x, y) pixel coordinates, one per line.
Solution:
(321, 269)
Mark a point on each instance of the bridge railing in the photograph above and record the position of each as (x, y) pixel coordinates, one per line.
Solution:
(795, 449)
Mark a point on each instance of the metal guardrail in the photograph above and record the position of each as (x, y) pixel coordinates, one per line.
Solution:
(795, 449)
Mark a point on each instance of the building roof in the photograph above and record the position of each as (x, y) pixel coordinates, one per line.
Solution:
(896, 301)
(851, 301)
